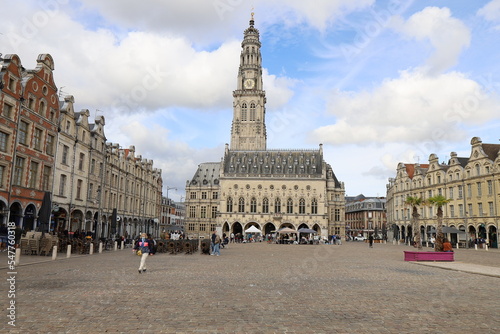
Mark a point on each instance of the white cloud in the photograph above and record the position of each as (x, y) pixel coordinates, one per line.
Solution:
(412, 108)
(177, 160)
(491, 11)
(216, 16)
(448, 35)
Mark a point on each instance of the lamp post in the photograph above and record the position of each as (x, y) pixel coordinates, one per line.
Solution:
(168, 204)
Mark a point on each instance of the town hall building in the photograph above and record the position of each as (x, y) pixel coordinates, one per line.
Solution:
(255, 186)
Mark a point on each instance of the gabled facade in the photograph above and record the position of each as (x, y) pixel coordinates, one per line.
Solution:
(471, 183)
(28, 134)
(48, 147)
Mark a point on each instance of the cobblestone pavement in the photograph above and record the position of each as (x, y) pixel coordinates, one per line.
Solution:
(253, 288)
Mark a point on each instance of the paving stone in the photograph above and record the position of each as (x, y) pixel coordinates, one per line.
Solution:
(256, 288)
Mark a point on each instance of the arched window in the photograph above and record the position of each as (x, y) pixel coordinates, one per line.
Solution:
(277, 205)
(302, 206)
(244, 111)
(314, 206)
(253, 205)
(241, 205)
(478, 170)
(43, 109)
(252, 111)
(265, 205)
(229, 204)
(289, 206)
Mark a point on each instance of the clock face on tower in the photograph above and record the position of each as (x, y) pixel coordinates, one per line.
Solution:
(249, 83)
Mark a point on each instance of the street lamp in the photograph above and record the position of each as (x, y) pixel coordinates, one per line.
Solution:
(168, 203)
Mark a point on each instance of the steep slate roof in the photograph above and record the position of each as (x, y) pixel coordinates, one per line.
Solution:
(274, 162)
(491, 150)
(207, 174)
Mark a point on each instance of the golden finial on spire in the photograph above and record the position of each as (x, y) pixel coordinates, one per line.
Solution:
(252, 13)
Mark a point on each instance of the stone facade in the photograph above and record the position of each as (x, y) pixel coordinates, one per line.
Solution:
(254, 186)
(471, 183)
(365, 216)
(46, 146)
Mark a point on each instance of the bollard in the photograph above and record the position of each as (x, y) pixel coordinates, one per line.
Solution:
(18, 256)
(457, 246)
(475, 246)
(91, 251)
(116, 245)
(54, 253)
(100, 247)
(486, 246)
(122, 245)
(68, 253)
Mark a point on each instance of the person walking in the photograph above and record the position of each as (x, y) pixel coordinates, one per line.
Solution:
(370, 240)
(145, 245)
(212, 242)
(217, 242)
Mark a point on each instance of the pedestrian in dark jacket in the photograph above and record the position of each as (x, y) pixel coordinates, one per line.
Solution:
(145, 245)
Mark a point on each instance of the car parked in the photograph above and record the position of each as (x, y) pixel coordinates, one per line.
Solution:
(359, 238)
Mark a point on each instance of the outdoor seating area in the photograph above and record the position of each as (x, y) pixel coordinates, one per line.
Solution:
(177, 246)
(34, 243)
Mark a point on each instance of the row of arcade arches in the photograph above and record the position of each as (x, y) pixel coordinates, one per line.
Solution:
(488, 232)
(62, 222)
(266, 228)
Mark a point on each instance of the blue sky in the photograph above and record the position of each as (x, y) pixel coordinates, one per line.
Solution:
(377, 82)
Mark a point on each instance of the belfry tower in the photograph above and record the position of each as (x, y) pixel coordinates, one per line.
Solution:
(248, 130)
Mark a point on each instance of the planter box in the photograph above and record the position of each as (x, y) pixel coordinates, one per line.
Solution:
(429, 256)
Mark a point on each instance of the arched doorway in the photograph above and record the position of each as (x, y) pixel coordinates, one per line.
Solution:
(492, 236)
(290, 225)
(76, 220)
(29, 223)
(237, 228)
(317, 228)
(16, 214)
(482, 231)
(395, 232)
(269, 228)
(403, 233)
(472, 232)
(104, 227)
(88, 221)
(225, 228)
(94, 226)
(3, 213)
(60, 217)
(303, 225)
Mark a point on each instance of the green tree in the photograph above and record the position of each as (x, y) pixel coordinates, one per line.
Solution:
(415, 202)
(439, 201)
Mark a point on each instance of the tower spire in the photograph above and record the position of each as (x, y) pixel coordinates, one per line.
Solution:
(248, 130)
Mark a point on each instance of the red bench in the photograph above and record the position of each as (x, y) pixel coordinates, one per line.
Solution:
(429, 256)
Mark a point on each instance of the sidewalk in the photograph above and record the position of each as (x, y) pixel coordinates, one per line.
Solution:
(469, 260)
(36, 259)
(255, 288)
(464, 267)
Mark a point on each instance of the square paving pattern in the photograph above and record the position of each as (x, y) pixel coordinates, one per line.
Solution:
(255, 288)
